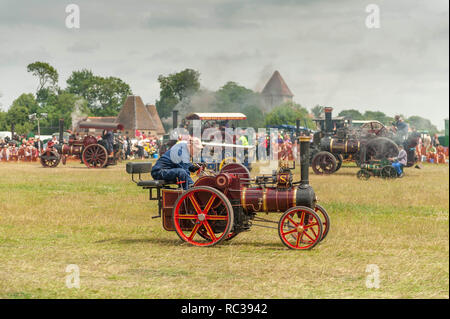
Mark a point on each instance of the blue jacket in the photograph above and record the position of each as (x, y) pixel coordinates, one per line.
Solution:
(176, 157)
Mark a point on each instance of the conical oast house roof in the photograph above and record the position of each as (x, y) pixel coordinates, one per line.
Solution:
(277, 86)
(134, 115)
(155, 116)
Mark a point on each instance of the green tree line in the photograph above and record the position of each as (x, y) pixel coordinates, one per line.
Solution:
(93, 95)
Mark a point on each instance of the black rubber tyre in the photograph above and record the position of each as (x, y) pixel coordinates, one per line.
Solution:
(388, 172)
(339, 160)
(363, 175)
(325, 218)
(324, 163)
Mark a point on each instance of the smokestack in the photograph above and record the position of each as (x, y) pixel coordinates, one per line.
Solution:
(304, 160)
(61, 131)
(174, 119)
(328, 119)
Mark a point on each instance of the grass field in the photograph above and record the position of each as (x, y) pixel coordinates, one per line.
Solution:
(100, 221)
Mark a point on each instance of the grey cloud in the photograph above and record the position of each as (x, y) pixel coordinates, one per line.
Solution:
(322, 48)
(84, 47)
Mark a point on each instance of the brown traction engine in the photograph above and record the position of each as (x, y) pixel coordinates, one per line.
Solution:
(91, 151)
(220, 206)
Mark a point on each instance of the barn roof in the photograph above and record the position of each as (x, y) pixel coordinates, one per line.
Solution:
(276, 86)
(134, 115)
(155, 116)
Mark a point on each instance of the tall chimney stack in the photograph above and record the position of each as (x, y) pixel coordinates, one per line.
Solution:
(328, 119)
(61, 131)
(174, 119)
(304, 159)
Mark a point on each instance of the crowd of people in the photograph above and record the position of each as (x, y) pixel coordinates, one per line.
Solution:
(20, 148)
(430, 150)
(140, 147)
(283, 143)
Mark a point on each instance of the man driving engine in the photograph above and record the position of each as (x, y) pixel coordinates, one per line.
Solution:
(174, 166)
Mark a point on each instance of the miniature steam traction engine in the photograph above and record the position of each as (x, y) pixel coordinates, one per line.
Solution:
(93, 153)
(220, 206)
(382, 168)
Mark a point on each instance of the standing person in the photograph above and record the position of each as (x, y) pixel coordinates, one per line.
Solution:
(140, 146)
(38, 144)
(242, 140)
(400, 161)
(128, 150)
(108, 137)
(435, 140)
(402, 127)
(125, 147)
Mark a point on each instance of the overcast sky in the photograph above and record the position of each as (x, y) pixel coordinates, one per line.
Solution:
(323, 49)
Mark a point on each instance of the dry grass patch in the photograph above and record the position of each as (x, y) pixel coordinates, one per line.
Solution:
(99, 220)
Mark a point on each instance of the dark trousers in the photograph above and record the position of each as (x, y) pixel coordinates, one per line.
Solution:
(174, 175)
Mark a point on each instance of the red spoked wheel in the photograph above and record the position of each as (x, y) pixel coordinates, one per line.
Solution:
(203, 216)
(205, 235)
(95, 156)
(300, 228)
(324, 218)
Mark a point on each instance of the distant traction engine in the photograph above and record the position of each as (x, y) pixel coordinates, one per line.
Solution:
(92, 152)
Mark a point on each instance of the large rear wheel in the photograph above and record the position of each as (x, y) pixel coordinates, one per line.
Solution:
(324, 163)
(339, 160)
(203, 216)
(95, 156)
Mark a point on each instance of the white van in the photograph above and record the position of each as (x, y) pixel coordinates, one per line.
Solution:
(4, 134)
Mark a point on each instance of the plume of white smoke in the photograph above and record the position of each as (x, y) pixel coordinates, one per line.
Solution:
(202, 101)
(77, 114)
(264, 77)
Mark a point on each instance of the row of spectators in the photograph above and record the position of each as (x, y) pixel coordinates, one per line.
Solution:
(20, 149)
(430, 150)
(140, 147)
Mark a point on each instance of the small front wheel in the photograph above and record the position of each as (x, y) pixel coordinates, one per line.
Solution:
(363, 175)
(325, 219)
(300, 228)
